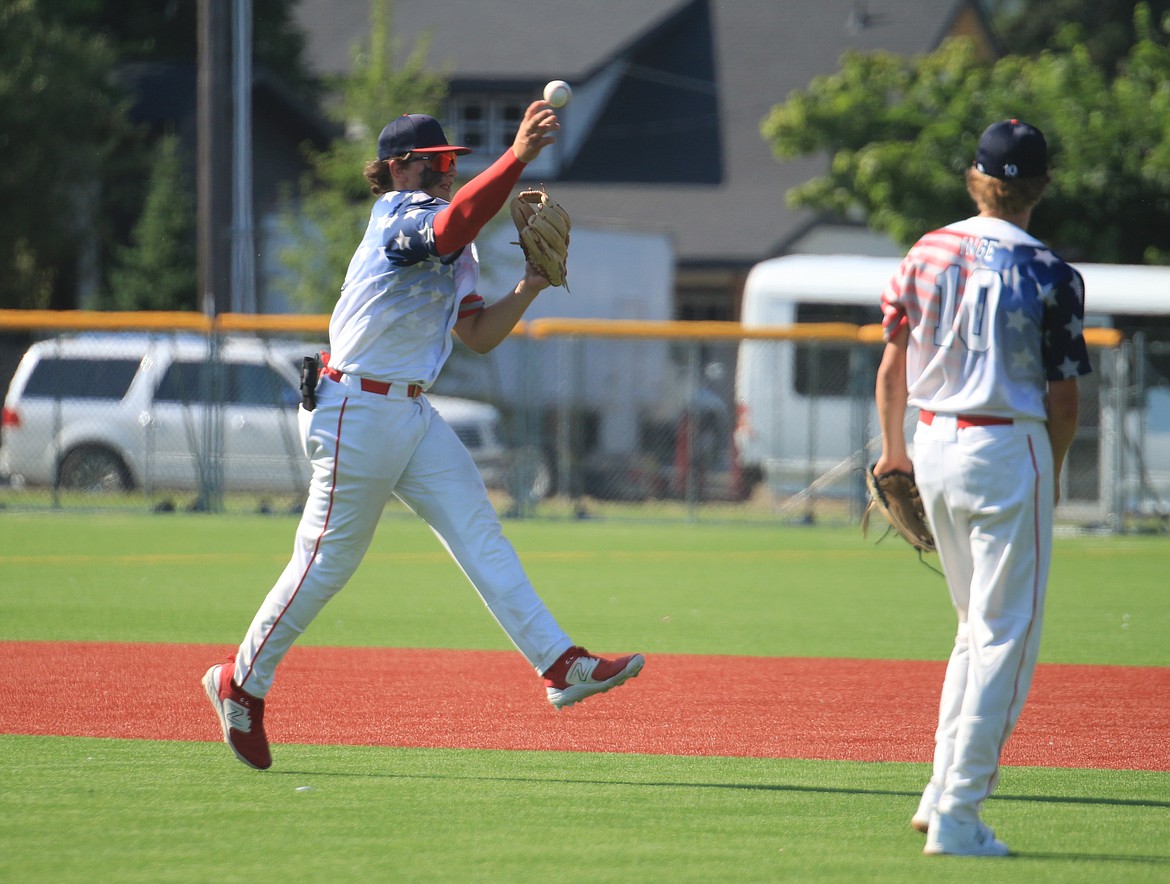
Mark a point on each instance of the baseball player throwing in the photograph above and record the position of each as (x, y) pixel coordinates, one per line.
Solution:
(983, 328)
(372, 433)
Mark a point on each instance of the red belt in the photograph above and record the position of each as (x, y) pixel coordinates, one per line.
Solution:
(370, 385)
(968, 420)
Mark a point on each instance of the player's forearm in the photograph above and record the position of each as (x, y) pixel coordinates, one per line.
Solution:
(1063, 412)
(476, 203)
(486, 329)
(891, 397)
(892, 417)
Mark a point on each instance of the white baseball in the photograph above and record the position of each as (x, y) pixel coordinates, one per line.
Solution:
(557, 93)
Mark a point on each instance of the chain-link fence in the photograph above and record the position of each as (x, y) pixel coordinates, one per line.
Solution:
(711, 420)
(157, 417)
(567, 418)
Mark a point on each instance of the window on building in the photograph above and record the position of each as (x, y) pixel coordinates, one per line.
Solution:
(487, 123)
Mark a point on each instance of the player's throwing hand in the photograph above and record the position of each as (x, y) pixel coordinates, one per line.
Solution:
(537, 131)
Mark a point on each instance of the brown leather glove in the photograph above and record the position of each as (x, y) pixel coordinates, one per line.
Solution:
(543, 226)
(895, 495)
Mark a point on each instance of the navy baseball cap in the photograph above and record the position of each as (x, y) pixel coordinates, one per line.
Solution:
(414, 132)
(1012, 149)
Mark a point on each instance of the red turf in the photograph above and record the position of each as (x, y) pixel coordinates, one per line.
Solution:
(862, 710)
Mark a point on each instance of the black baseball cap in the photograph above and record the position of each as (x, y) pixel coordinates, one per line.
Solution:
(1011, 149)
(414, 132)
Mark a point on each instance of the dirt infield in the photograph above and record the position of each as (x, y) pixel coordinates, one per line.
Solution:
(859, 710)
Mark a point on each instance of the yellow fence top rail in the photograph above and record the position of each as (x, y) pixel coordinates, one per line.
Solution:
(704, 330)
(161, 320)
(272, 322)
(97, 320)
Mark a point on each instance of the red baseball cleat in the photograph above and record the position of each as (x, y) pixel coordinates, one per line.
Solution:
(579, 674)
(240, 715)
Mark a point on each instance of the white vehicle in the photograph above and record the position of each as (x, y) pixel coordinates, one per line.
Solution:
(805, 409)
(108, 412)
(613, 274)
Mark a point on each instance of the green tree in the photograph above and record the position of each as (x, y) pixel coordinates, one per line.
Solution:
(158, 270)
(71, 163)
(147, 30)
(900, 133)
(1104, 27)
(60, 115)
(327, 220)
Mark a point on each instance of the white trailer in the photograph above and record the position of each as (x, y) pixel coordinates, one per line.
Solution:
(806, 412)
(613, 273)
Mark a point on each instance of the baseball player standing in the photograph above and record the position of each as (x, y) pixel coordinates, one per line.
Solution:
(371, 433)
(983, 329)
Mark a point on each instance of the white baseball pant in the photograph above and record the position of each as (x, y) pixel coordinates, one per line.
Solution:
(366, 447)
(988, 493)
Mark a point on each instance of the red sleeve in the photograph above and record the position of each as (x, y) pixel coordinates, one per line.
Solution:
(893, 318)
(893, 310)
(476, 203)
(473, 303)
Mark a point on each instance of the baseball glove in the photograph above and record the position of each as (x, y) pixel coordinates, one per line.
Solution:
(895, 495)
(544, 233)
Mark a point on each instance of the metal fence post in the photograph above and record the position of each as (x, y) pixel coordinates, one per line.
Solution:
(1111, 470)
(211, 457)
(58, 422)
(693, 417)
(860, 395)
(566, 469)
(1120, 395)
(526, 434)
(522, 432)
(814, 399)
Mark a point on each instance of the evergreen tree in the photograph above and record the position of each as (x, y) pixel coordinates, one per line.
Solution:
(327, 221)
(71, 162)
(158, 270)
(60, 115)
(147, 30)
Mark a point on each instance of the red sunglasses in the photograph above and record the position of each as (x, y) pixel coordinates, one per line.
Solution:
(440, 162)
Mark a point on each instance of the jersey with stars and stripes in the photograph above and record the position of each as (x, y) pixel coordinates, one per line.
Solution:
(994, 315)
(400, 299)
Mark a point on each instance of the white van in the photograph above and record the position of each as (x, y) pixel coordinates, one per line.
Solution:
(806, 415)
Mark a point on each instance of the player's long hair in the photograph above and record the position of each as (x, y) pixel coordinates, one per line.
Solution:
(1003, 197)
(377, 173)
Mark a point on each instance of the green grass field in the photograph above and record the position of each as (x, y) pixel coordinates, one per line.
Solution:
(107, 810)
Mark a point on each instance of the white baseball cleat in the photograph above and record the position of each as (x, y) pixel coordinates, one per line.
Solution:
(577, 674)
(920, 822)
(951, 837)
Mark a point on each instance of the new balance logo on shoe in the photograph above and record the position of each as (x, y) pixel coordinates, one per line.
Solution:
(241, 717)
(581, 670)
(579, 674)
(238, 717)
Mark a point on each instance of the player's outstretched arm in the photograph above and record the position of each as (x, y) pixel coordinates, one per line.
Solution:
(483, 330)
(478, 201)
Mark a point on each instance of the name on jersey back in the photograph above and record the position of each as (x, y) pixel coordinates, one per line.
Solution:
(981, 250)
